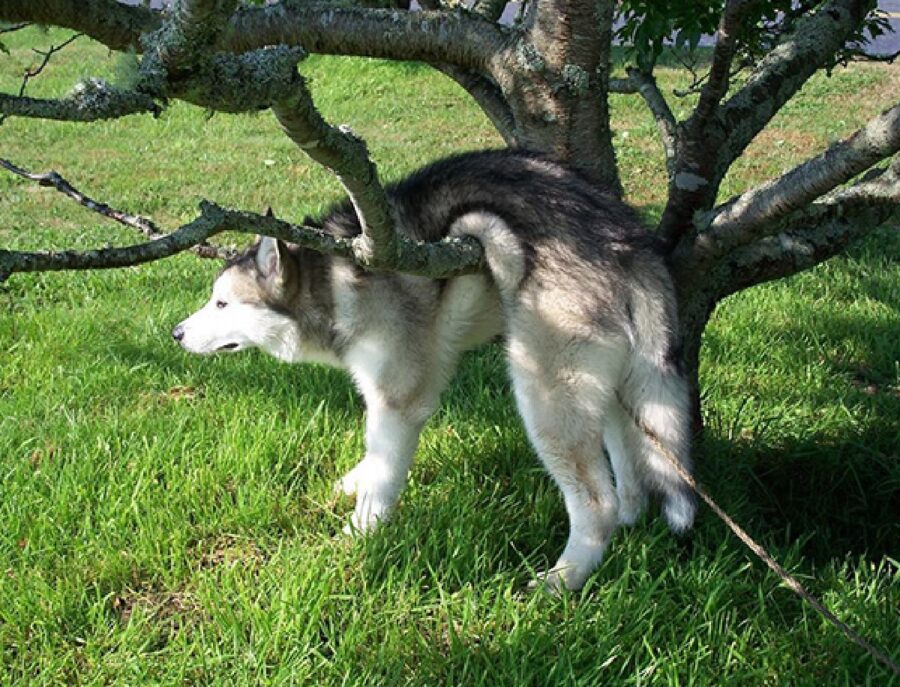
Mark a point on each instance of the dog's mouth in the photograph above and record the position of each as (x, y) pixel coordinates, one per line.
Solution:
(228, 347)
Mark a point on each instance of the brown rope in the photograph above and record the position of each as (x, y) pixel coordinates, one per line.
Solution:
(791, 581)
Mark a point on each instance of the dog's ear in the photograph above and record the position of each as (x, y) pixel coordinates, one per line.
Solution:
(271, 256)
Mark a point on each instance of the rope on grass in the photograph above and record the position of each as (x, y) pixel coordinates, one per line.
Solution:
(792, 582)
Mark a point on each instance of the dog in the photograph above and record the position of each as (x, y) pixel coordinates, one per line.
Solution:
(577, 288)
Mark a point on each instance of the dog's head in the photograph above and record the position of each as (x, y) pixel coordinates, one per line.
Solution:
(250, 306)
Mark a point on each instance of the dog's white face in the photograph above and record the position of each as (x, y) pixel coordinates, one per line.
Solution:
(229, 321)
(239, 313)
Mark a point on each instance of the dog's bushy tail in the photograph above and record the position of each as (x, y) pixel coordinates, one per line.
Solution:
(656, 391)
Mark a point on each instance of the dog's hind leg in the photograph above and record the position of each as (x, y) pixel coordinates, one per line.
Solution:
(563, 388)
(624, 447)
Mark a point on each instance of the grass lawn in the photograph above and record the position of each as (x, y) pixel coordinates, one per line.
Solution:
(168, 519)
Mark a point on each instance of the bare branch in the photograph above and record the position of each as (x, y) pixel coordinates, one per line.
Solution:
(488, 96)
(90, 100)
(189, 235)
(443, 259)
(144, 225)
(115, 25)
(346, 155)
(812, 236)
(32, 72)
(720, 71)
(461, 39)
(645, 84)
(743, 218)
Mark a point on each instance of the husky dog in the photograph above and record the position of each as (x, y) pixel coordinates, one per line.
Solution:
(577, 288)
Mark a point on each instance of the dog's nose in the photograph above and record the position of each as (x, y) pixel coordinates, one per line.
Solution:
(178, 333)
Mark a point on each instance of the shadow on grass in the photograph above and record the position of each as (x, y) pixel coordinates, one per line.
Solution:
(832, 500)
(839, 497)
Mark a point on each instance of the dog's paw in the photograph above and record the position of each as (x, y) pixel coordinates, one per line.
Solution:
(368, 515)
(549, 582)
(562, 578)
(350, 483)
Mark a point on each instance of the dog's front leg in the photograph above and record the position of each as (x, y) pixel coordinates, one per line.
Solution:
(392, 435)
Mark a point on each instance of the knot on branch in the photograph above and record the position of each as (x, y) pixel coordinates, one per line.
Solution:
(93, 96)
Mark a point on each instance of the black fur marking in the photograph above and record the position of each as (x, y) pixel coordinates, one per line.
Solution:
(675, 354)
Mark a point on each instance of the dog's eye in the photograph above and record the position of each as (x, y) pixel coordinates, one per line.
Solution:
(221, 304)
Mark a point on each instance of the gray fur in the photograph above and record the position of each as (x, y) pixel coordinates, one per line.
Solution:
(576, 286)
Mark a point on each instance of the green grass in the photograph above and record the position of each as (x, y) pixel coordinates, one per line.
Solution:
(168, 519)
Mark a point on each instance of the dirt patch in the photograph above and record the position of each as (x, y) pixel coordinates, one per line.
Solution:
(176, 394)
(229, 551)
(159, 606)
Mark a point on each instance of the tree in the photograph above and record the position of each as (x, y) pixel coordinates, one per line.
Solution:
(544, 83)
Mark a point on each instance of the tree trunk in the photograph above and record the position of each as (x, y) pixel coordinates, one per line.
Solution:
(556, 82)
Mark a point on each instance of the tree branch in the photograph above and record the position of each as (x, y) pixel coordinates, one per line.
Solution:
(90, 100)
(110, 22)
(346, 156)
(812, 236)
(458, 38)
(743, 218)
(489, 97)
(145, 226)
(32, 72)
(645, 84)
(716, 85)
(447, 258)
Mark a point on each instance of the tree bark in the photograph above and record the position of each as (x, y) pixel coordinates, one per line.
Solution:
(557, 81)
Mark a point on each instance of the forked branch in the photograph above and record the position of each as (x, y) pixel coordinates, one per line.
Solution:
(144, 225)
(755, 212)
(716, 136)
